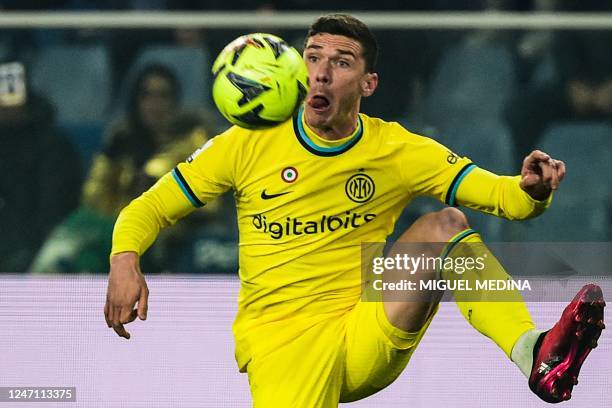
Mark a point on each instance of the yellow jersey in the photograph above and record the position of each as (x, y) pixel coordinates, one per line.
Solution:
(305, 205)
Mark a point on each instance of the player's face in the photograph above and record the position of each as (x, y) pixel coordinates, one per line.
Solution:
(338, 80)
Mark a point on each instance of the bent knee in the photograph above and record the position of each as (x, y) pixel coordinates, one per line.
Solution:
(450, 221)
(439, 226)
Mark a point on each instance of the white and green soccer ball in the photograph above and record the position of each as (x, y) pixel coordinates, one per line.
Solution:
(260, 81)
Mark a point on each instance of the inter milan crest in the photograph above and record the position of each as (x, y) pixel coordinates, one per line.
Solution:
(359, 187)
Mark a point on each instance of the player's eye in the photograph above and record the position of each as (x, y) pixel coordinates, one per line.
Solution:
(343, 63)
(312, 58)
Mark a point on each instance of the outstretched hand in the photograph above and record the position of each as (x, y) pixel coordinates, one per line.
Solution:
(541, 174)
(126, 286)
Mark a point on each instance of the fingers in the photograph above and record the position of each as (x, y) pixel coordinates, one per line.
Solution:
(554, 182)
(128, 316)
(560, 169)
(117, 316)
(531, 161)
(116, 322)
(106, 315)
(114, 319)
(143, 303)
(540, 155)
(547, 171)
(120, 330)
(553, 172)
(111, 315)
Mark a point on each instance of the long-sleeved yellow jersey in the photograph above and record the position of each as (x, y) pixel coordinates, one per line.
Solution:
(305, 205)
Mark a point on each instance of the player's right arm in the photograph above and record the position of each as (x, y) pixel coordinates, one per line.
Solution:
(209, 172)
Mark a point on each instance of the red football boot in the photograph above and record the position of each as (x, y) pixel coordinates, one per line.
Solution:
(560, 352)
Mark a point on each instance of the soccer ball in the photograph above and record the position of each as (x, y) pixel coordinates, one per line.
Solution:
(260, 81)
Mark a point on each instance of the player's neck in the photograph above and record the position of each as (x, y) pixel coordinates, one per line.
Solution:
(338, 129)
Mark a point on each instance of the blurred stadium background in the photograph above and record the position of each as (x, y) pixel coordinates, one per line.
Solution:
(115, 93)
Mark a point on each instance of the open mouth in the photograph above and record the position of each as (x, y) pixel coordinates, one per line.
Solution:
(319, 103)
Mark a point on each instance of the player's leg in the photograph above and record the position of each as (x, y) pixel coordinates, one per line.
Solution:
(503, 322)
(550, 360)
(296, 363)
(425, 236)
(379, 349)
(376, 351)
(381, 336)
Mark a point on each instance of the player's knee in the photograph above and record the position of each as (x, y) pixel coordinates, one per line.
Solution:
(451, 221)
(438, 226)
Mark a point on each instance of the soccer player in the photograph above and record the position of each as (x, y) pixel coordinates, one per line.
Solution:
(308, 192)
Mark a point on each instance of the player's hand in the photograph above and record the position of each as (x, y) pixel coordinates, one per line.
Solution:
(126, 286)
(541, 174)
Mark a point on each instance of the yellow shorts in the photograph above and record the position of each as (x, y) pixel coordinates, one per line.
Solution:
(340, 359)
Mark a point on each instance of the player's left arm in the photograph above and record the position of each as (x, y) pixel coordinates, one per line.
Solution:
(514, 197)
(426, 167)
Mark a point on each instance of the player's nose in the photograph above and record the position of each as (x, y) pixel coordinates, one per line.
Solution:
(322, 73)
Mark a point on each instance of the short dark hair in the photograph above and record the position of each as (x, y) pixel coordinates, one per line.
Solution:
(351, 27)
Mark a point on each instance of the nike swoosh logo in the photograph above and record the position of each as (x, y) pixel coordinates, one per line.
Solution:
(265, 196)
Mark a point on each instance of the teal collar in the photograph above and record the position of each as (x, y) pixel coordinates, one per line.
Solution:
(302, 136)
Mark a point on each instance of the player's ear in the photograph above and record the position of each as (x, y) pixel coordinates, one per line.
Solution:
(369, 83)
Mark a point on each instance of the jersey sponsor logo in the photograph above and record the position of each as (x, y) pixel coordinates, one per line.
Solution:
(199, 150)
(360, 187)
(266, 196)
(289, 174)
(297, 226)
(452, 158)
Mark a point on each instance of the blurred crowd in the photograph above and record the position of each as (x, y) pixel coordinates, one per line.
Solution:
(425, 5)
(89, 119)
